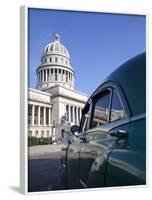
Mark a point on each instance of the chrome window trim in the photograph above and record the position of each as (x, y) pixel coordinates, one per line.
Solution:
(114, 124)
(138, 117)
(109, 126)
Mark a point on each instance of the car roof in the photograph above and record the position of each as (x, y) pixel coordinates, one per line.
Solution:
(131, 77)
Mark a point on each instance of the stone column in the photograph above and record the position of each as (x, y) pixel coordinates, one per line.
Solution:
(73, 114)
(58, 75)
(69, 110)
(39, 115)
(38, 77)
(80, 113)
(44, 116)
(77, 113)
(33, 114)
(43, 75)
(49, 116)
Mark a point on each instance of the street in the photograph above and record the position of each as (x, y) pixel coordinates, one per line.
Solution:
(43, 168)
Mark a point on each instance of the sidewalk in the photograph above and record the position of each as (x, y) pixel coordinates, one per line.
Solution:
(43, 150)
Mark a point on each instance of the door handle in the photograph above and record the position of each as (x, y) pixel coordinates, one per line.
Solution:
(119, 133)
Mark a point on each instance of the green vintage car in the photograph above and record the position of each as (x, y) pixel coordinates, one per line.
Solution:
(110, 145)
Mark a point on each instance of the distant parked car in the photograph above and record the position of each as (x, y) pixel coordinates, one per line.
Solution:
(110, 147)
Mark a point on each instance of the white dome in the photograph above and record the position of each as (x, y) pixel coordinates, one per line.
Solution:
(55, 67)
(56, 47)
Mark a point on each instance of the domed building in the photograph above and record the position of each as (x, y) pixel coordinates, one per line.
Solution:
(55, 68)
(54, 105)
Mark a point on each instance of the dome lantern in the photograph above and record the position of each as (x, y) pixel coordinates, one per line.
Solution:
(57, 37)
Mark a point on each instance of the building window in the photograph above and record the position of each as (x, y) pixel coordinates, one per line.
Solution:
(56, 60)
(30, 133)
(42, 133)
(50, 59)
(36, 133)
(62, 60)
(48, 133)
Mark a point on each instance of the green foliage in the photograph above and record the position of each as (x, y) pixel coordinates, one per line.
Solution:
(38, 141)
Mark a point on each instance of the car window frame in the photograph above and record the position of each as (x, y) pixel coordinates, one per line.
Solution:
(121, 102)
(121, 98)
(89, 102)
(108, 84)
(94, 99)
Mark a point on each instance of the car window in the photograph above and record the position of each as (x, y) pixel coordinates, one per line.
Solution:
(117, 110)
(101, 109)
(85, 117)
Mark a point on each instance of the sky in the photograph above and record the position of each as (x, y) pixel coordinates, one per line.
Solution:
(98, 43)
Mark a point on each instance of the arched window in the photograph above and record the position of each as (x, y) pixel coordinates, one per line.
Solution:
(30, 133)
(42, 133)
(36, 133)
(48, 133)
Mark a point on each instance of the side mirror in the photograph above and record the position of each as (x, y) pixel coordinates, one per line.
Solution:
(74, 129)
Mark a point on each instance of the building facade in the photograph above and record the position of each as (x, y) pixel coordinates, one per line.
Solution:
(54, 105)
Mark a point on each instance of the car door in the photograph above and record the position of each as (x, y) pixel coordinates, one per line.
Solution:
(73, 151)
(102, 135)
(126, 164)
